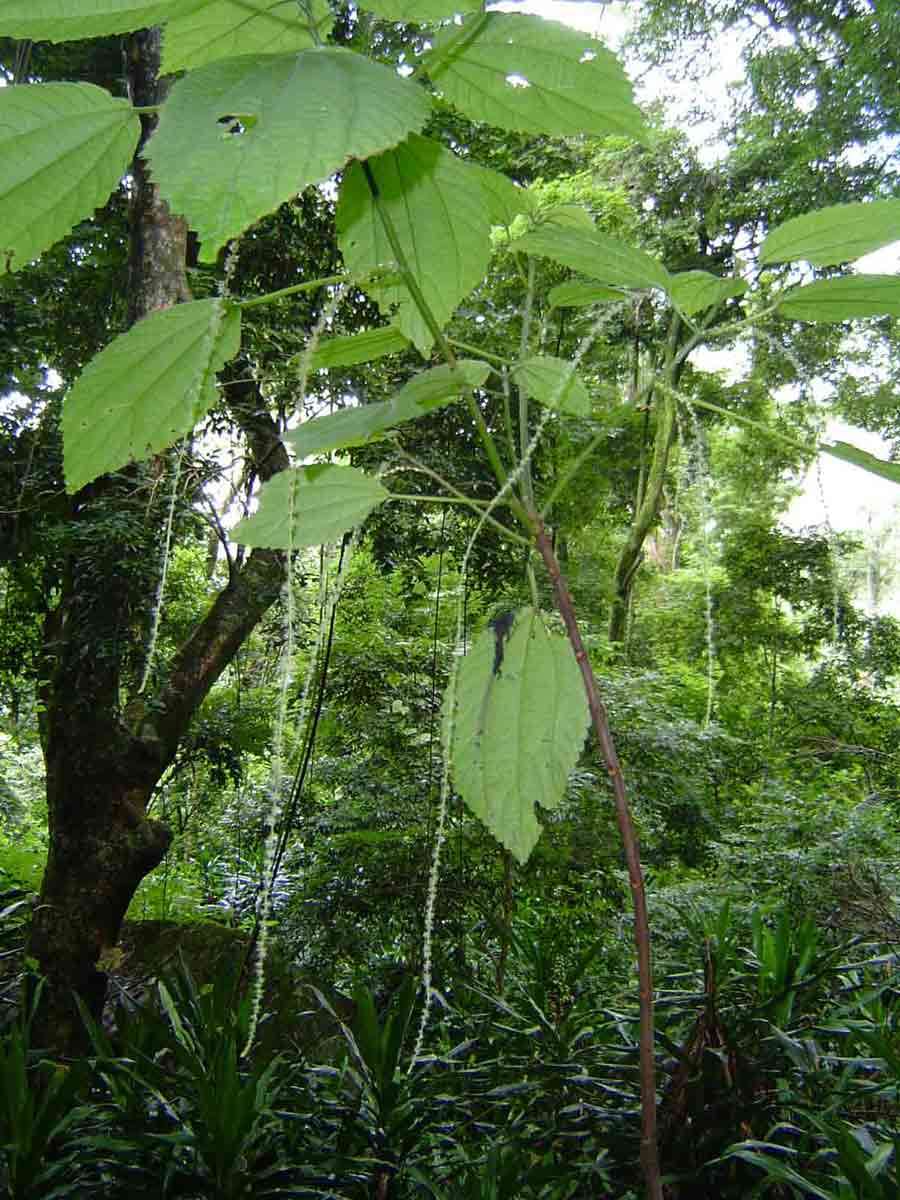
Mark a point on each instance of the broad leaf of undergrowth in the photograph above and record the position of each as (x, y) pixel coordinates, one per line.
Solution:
(63, 20)
(240, 136)
(226, 28)
(517, 734)
(437, 206)
(693, 291)
(840, 233)
(356, 426)
(147, 388)
(309, 506)
(844, 298)
(63, 148)
(596, 254)
(523, 73)
(355, 348)
(578, 292)
(554, 382)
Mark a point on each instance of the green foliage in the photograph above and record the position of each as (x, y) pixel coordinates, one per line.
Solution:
(357, 348)
(595, 254)
(555, 383)
(834, 235)
(520, 72)
(148, 388)
(517, 727)
(62, 20)
(64, 146)
(41, 1122)
(578, 294)
(238, 118)
(309, 506)
(226, 28)
(436, 206)
(357, 426)
(694, 291)
(843, 299)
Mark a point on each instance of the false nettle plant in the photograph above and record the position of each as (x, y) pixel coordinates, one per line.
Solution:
(264, 107)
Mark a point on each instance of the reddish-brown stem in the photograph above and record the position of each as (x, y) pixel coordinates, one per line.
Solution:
(600, 721)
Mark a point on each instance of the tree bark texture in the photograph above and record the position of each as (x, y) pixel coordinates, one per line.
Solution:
(105, 755)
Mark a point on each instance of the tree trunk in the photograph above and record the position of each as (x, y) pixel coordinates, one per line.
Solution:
(648, 503)
(105, 756)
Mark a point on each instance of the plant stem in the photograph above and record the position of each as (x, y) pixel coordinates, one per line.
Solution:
(487, 355)
(293, 290)
(475, 505)
(600, 722)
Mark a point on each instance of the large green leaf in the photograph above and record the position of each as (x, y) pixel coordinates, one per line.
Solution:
(63, 20)
(238, 137)
(524, 73)
(63, 148)
(578, 292)
(355, 426)
(862, 458)
(504, 200)
(517, 731)
(147, 388)
(358, 347)
(437, 206)
(226, 28)
(834, 235)
(693, 291)
(844, 298)
(595, 254)
(309, 506)
(554, 382)
(419, 11)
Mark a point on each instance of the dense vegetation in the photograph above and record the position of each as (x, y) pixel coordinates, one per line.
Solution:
(279, 915)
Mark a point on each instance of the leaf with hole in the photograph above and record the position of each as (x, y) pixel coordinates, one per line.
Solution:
(240, 136)
(368, 422)
(845, 298)
(64, 20)
(694, 291)
(308, 506)
(147, 388)
(227, 28)
(63, 148)
(840, 233)
(523, 73)
(355, 348)
(578, 293)
(596, 254)
(517, 732)
(436, 204)
(554, 382)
